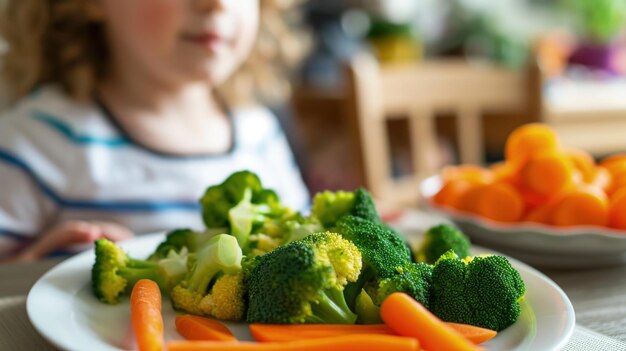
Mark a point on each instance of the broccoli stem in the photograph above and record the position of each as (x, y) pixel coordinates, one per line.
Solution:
(138, 270)
(331, 308)
(202, 277)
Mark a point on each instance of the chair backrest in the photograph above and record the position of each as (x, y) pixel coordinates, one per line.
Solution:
(419, 92)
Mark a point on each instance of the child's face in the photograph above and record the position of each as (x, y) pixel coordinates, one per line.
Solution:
(182, 41)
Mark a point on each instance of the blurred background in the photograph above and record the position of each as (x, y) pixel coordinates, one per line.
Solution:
(393, 90)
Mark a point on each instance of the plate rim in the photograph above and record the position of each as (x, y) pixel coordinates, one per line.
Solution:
(44, 281)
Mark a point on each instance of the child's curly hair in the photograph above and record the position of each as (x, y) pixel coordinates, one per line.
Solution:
(54, 41)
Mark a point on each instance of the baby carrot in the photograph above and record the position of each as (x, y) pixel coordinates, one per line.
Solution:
(292, 332)
(145, 314)
(198, 328)
(407, 317)
(340, 343)
(476, 335)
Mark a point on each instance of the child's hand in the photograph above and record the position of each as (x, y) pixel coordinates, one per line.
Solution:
(72, 233)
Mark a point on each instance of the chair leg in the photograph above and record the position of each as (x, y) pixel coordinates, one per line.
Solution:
(470, 136)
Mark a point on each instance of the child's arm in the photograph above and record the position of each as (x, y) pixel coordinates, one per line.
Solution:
(69, 234)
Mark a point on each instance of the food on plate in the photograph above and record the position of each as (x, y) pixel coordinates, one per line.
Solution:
(336, 266)
(145, 315)
(198, 328)
(485, 291)
(303, 282)
(407, 317)
(438, 240)
(114, 273)
(368, 342)
(330, 206)
(217, 262)
(540, 181)
(292, 332)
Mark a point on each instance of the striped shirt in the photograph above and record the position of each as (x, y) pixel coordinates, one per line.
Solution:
(61, 160)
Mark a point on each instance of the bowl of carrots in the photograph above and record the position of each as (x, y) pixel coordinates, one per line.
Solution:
(545, 203)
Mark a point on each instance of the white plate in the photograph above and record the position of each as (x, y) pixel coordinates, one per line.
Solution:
(537, 244)
(62, 308)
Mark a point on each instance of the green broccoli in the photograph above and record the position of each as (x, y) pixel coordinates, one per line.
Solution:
(240, 204)
(115, 273)
(276, 232)
(383, 249)
(226, 300)
(329, 206)
(303, 281)
(484, 291)
(366, 310)
(220, 255)
(178, 239)
(438, 240)
(414, 279)
(364, 206)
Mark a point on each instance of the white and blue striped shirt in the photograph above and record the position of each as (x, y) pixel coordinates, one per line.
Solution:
(60, 160)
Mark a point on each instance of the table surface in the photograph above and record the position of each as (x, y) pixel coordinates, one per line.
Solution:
(598, 296)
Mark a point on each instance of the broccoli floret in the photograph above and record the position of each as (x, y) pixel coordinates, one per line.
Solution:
(220, 255)
(240, 203)
(413, 279)
(364, 206)
(281, 231)
(114, 273)
(303, 281)
(484, 291)
(383, 250)
(180, 239)
(329, 206)
(438, 240)
(226, 300)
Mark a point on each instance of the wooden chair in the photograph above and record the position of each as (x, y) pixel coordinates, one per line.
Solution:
(418, 92)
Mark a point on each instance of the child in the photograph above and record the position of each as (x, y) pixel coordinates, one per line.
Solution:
(118, 126)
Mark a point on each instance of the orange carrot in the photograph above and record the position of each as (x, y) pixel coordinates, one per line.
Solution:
(540, 214)
(529, 140)
(469, 199)
(476, 335)
(198, 328)
(407, 317)
(507, 171)
(145, 314)
(583, 162)
(618, 210)
(615, 160)
(282, 333)
(500, 202)
(602, 178)
(339, 343)
(471, 173)
(548, 174)
(584, 206)
(451, 192)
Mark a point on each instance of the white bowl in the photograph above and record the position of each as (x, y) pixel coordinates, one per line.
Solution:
(537, 244)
